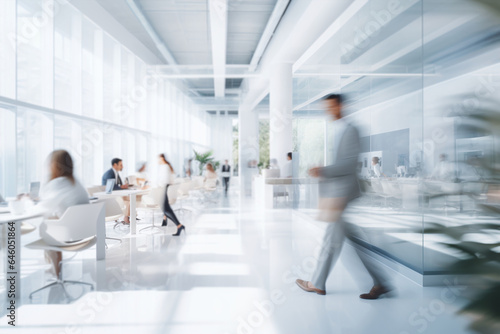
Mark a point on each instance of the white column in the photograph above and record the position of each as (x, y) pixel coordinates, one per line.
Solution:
(248, 141)
(226, 138)
(216, 134)
(280, 94)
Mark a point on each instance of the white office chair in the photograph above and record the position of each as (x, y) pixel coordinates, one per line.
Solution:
(196, 188)
(132, 179)
(198, 182)
(113, 212)
(173, 193)
(95, 189)
(26, 228)
(183, 195)
(209, 190)
(153, 202)
(280, 191)
(75, 231)
(123, 207)
(380, 191)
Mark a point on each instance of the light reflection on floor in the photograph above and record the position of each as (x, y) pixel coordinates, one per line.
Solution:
(233, 272)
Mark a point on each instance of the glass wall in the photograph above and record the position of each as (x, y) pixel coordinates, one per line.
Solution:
(8, 49)
(35, 52)
(7, 152)
(420, 79)
(68, 84)
(35, 140)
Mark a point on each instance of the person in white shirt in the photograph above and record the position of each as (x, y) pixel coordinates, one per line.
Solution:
(166, 177)
(287, 168)
(444, 170)
(61, 192)
(211, 173)
(141, 177)
(377, 171)
(211, 178)
(187, 168)
(287, 172)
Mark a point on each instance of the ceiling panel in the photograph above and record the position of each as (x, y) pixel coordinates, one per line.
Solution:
(122, 13)
(184, 27)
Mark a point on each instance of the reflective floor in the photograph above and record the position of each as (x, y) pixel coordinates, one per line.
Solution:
(232, 272)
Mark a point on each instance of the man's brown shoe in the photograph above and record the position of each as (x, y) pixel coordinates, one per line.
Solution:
(305, 286)
(376, 292)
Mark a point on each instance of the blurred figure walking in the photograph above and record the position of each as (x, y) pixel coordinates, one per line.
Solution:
(226, 176)
(166, 177)
(338, 188)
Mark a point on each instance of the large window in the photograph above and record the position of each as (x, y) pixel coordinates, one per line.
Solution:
(35, 138)
(92, 78)
(7, 152)
(88, 94)
(68, 60)
(68, 136)
(8, 49)
(35, 61)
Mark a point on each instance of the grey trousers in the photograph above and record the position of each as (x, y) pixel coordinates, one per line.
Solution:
(330, 251)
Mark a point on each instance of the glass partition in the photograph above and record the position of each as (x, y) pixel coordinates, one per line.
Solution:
(461, 114)
(421, 81)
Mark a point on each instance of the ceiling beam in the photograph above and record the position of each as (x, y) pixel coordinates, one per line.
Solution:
(160, 45)
(268, 33)
(206, 76)
(335, 27)
(218, 30)
(100, 16)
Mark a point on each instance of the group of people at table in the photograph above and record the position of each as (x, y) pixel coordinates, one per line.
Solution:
(63, 190)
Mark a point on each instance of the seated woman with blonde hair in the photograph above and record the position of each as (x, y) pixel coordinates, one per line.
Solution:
(211, 173)
(59, 193)
(211, 177)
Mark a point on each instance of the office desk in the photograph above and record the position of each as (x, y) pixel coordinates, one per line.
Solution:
(133, 205)
(13, 269)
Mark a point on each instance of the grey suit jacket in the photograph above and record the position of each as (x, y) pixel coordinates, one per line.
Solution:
(340, 179)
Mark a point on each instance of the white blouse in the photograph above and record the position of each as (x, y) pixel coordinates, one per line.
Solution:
(210, 174)
(165, 175)
(59, 194)
(377, 171)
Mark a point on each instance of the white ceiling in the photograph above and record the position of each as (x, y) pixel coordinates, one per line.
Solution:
(184, 27)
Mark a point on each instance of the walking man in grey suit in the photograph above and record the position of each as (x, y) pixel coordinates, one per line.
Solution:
(338, 188)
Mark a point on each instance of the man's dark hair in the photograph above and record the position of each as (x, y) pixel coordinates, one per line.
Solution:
(337, 97)
(289, 154)
(115, 161)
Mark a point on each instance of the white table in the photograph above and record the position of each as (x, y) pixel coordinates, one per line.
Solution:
(132, 193)
(14, 269)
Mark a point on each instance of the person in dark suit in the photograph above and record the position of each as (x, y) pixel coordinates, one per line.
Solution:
(226, 175)
(113, 173)
(338, 188)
